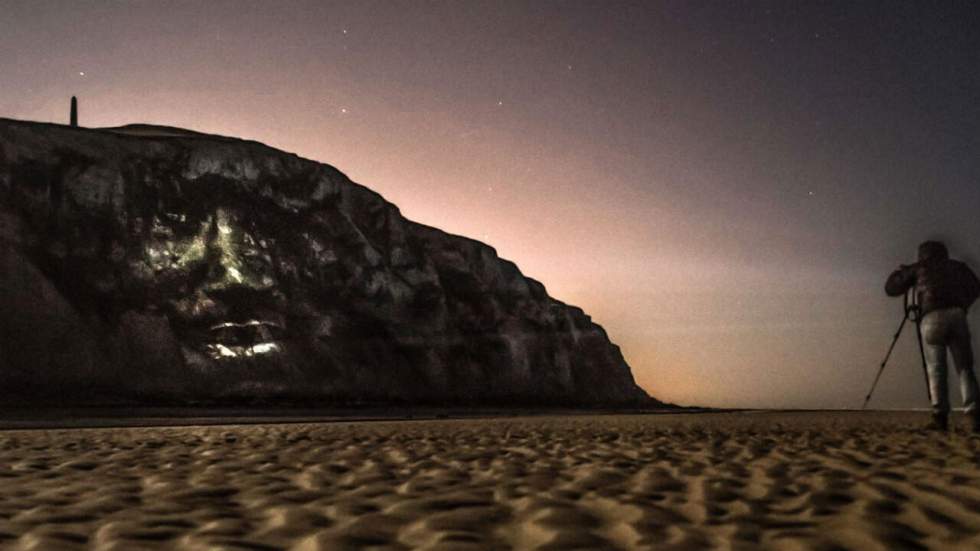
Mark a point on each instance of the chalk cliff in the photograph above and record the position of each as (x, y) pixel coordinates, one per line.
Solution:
(157, 265)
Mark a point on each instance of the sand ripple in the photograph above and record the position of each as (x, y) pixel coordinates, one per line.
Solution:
(720, 481)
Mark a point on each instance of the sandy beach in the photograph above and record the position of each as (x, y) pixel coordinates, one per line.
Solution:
(708, 481)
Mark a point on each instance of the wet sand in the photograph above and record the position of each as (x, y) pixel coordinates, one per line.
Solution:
(708, 481)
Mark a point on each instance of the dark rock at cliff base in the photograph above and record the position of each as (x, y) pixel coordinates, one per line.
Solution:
(157, 265)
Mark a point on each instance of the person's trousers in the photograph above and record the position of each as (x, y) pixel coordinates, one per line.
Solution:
(947, 329)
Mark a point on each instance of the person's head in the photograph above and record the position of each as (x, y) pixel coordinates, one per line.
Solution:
(931, 251)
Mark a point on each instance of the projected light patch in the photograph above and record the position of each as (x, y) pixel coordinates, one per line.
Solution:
(244, 340)
(234, 258)
(242, 261)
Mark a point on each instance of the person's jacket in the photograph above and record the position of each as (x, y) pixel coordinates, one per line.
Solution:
(939, 283)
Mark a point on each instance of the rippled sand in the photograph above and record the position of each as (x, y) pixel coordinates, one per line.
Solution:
(723, 481)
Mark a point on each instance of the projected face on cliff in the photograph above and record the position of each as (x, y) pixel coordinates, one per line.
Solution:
(225, 272)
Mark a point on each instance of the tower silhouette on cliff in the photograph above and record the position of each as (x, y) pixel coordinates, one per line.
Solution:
(74, 111)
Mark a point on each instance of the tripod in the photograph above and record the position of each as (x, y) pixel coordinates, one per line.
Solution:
(913, 313)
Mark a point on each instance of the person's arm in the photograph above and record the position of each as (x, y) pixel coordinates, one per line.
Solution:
(972, 278)
(900, 281)
(970, 285)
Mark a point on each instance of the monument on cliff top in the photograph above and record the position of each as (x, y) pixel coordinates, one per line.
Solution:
(74, 112)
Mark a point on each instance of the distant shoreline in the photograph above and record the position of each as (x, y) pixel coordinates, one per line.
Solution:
(23, 418)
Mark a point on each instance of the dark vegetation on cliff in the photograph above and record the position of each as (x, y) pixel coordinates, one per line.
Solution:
(150, 265)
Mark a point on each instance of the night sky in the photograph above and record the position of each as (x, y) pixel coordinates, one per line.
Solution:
(724, 186)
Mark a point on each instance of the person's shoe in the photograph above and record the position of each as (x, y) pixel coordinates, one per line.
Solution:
(940, 422)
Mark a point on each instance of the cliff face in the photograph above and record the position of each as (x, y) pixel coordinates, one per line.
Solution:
(158, 265)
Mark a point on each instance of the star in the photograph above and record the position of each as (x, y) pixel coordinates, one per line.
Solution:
(500, 103)
(81, 73)
(343, 110)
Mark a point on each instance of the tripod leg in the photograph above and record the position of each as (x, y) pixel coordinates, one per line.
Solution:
(922, 353)
(873, 385)
(885, 361)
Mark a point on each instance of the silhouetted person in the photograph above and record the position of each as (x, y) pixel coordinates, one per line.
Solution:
(945, 289)
(74, 111)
